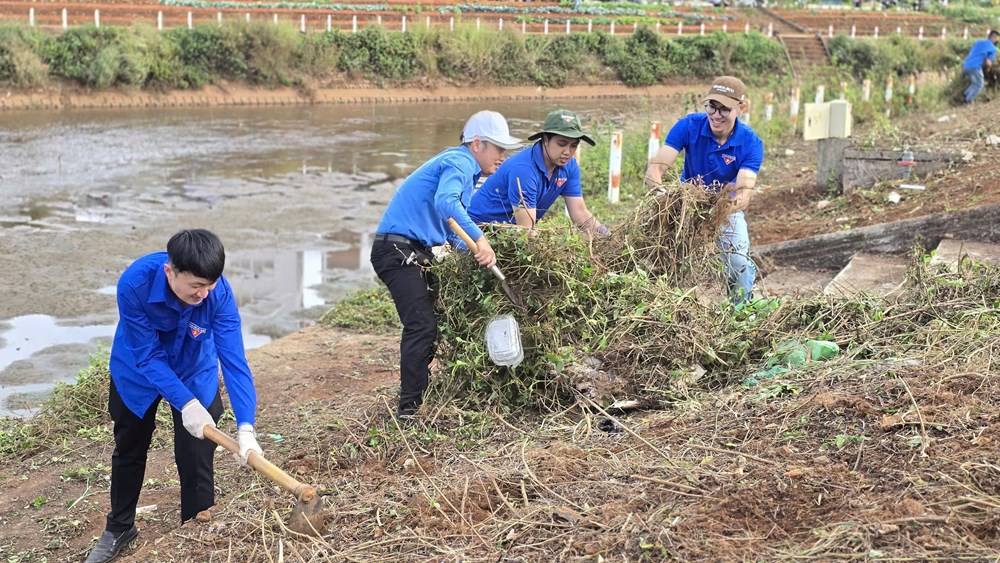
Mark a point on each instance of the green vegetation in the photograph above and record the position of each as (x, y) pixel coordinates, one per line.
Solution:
(75, 409)
(366, 310)
(278, 55)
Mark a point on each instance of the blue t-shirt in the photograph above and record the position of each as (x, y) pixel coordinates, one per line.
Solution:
(716, 165)
(164, 348)
(496, 200)
(980, 51)
(439, 189)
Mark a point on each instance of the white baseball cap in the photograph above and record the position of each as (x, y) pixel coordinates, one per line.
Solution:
(490, 126)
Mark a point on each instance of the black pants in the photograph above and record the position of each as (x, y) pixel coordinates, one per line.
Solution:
(411, 287)
(133, 435)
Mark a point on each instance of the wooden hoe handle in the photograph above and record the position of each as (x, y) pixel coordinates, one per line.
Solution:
(301, 491)
(473, 247)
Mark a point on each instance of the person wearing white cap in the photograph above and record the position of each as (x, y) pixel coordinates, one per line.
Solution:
(414, 222)
(723, 155)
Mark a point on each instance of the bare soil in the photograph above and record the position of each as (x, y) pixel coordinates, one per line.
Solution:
(857, 466)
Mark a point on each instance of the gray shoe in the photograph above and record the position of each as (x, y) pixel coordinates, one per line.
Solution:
(111, 545)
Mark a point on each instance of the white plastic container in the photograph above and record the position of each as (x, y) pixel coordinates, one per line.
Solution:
(503, 341)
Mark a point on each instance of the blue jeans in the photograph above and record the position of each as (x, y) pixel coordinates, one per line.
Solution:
(975, 76)
(734, 245)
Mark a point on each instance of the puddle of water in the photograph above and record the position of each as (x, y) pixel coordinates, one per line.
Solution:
(25, 368)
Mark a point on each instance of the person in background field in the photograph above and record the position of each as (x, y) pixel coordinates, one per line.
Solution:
(980, 57)
(528, 183)
(725, 156)
(178, 323)
(414, 222)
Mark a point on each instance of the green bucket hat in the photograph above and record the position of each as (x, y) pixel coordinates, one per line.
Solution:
(563, 122)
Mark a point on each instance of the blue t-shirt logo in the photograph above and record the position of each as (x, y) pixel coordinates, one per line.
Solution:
(196, 330)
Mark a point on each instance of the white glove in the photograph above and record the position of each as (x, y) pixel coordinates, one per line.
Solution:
(247, 439)
(195, 418)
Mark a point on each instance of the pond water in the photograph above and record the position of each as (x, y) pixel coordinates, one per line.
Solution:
(294, 192)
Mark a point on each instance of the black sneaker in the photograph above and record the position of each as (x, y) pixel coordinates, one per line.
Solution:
(111, 545)
(407, 411)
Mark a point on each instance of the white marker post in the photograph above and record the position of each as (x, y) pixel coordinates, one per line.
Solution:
(615, 167)
(190, 21)
(97, 18)
(159, 21)
(866, 90)
(820, 94)
(888, 96)
(31, 17)
(545, 27)
(65, 18)
(768, 106)
(793, 106)
(655, 129)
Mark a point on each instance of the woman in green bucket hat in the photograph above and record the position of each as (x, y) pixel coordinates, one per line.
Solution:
(526, 185)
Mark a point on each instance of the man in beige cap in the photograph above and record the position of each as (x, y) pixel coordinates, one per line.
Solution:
(723, 155)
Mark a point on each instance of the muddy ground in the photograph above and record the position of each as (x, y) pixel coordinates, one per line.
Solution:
(732, 480)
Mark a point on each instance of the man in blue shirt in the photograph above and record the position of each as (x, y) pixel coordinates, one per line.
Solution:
(414, 222)
(528, 183)
(178, 322)
(980, 57)
(724, 156)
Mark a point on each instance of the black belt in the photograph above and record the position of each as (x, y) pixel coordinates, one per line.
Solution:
(379, 237)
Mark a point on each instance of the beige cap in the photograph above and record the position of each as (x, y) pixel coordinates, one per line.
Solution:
(728, 91)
